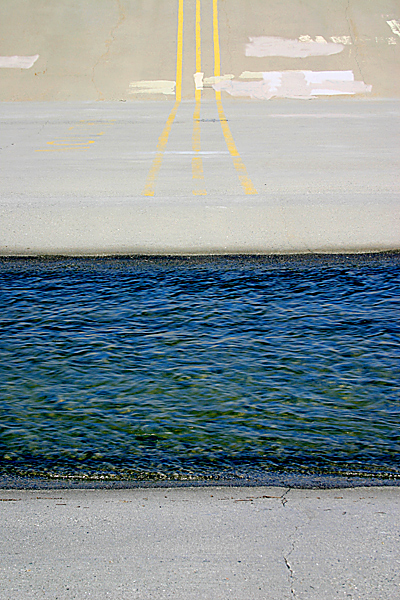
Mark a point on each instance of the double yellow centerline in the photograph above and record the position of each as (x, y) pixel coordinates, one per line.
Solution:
(197, 163)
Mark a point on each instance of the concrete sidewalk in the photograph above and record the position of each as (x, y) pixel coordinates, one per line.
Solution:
(191, 543)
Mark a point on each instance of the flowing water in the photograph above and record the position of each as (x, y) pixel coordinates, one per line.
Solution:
(191, 368)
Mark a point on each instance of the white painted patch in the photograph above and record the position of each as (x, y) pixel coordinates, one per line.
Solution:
(195, 153)
(274, 80)
(210, 81)
(394, 26)
(301, 48)
(295, 84)
(18, 62)
(202, 82)
(251, 75)
(324, 76)
(342, 39)
(198, 80)
(160, 86)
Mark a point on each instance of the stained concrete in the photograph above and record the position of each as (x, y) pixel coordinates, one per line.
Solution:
(94, 49)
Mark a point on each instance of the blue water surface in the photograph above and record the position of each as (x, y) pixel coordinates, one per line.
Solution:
(191, 368)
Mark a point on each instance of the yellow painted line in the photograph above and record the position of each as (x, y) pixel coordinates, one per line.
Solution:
(217, 55)
(70, 143)
(244, 179)
(197, 165)
(64, 149)
(197, 162)
(77, 136)
(149, 188)
(79, 139)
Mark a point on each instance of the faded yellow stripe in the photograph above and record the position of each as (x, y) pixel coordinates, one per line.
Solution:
(64, 149)
(71, 143)
(197, 162)
(149, 188)
(244, 179)
(197, 165)
(162, 142)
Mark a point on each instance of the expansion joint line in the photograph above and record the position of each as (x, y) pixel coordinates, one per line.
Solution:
(163, 139)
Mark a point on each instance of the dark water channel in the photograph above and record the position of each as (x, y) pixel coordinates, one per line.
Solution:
(200, 367)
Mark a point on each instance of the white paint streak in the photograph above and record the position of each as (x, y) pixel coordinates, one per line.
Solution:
(295, 84)
(195, 153)
(318, 116)
(198, 80)
(202, 82)
(394, 26)
(210, 81)
(152, 87)
(342, 39)
(251, 75)
(324, 76)
(274, 80)
(301, 48)
(18, 62)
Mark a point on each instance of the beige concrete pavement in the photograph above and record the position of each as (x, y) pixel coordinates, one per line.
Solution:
(94, 49)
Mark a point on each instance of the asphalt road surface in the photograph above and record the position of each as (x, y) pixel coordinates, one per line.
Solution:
(302, 177)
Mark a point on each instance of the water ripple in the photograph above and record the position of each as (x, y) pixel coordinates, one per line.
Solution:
(208, 367)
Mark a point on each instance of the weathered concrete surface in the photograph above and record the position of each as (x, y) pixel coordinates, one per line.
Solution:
(199, 172)
(94, 49)
(189, 544)
(327, 176)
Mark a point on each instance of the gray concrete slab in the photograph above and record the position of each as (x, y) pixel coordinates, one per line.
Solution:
(191, 543)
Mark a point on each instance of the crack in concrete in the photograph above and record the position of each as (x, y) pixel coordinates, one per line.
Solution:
(283, 497)
(285, 557)
(293, 540)
(291, 576)
(108, 43)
